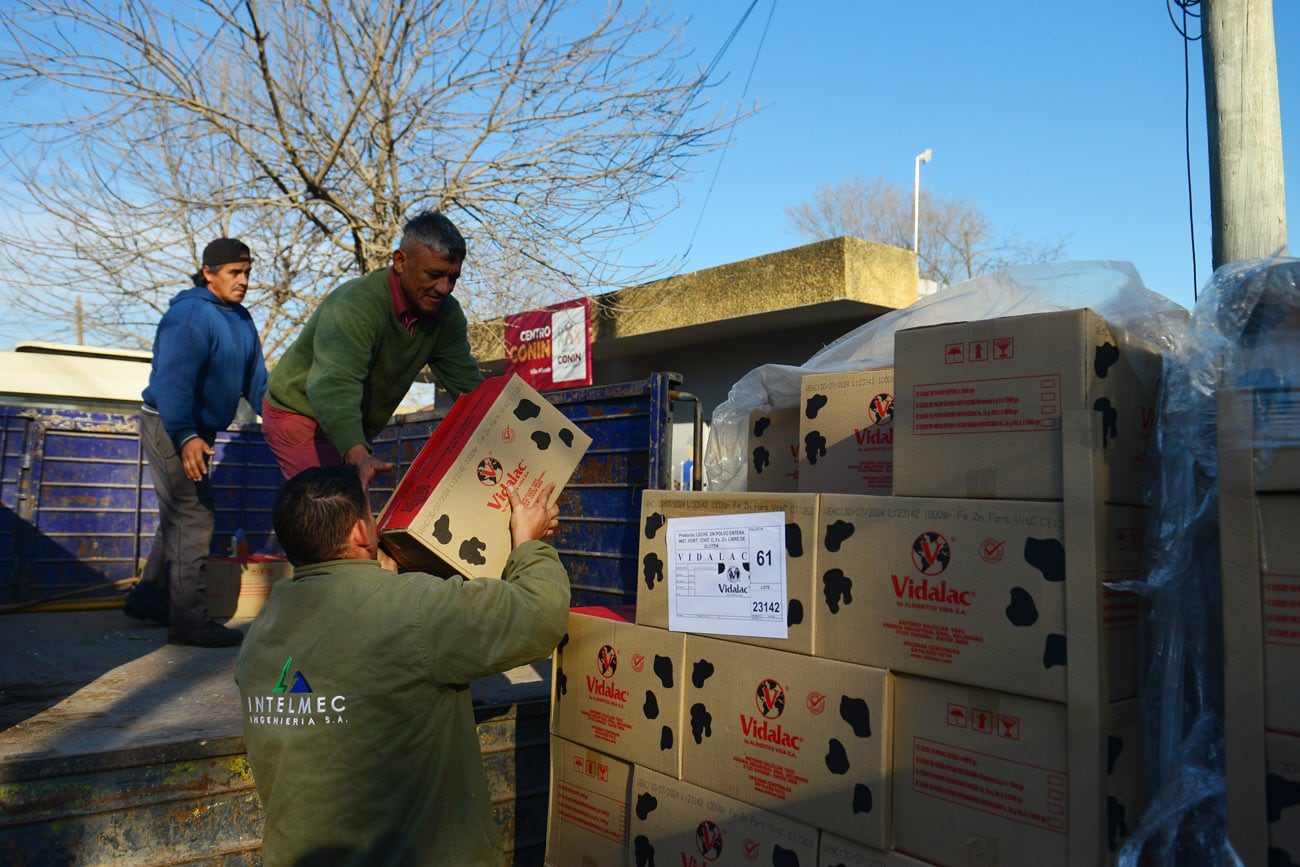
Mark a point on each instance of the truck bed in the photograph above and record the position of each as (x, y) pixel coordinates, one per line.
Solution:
(118, 748)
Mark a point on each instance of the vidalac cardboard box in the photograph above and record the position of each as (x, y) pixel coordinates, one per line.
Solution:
(617, 687)
(676, 823)
(1282, 795)
(981, 405)
(1279, 518)
(846, 432)
(982, 777)
(451, 511)
(806, 738)
(654, 582)
(968, 590)
(774, 450)
(838, 852)
(587, 819)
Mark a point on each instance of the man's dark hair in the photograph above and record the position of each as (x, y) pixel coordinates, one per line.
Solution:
(315, 511)
(432, 230)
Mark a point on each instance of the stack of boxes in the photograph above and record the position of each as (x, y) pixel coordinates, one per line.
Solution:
(1024, 441)
(1259, 511)
(943, 693)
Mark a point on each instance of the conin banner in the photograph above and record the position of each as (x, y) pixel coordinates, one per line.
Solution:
(551, 348)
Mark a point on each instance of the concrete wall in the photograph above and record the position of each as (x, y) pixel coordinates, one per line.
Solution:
(714, 326)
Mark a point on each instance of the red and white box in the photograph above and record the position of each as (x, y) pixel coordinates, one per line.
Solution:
(655, 573)
(969, 590)
(450, 511)
(587, 818)
(983, 777)
(981, 405)
(806, 738)
(773, 450)
(617, 687)
(846, 432)
(1282, 794)
(672, 822)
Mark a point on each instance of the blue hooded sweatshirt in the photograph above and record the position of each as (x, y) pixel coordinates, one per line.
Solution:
(206, 355)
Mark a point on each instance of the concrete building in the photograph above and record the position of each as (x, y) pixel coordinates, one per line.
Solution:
(714, 326)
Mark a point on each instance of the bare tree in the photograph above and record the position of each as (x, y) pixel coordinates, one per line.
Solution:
(139, 130)
(956, 239)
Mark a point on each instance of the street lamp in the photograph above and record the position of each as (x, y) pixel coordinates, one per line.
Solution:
(922, 157)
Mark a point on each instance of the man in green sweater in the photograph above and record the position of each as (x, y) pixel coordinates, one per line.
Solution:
(340, 381)
(354, 690)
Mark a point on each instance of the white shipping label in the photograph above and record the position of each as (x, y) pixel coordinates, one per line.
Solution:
(727, 575)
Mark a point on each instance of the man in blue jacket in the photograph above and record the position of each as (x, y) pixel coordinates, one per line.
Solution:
(206, 356)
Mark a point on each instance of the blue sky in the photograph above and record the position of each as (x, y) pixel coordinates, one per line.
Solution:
(1057, 120)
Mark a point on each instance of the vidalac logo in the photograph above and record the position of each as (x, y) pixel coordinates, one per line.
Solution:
(881, 408)
(769, 697)
(489, 471)
(603, 688)
(292, 702)
(607, 660)
(708, 840)
(931, 553)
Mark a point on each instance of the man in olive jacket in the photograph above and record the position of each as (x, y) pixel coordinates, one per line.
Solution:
(354, 683)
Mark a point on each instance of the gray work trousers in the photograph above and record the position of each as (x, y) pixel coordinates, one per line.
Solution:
(173, 577)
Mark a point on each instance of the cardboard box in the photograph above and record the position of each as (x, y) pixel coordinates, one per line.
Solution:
(587, 818)
(968, 590)
(838, 852)
(1259, 483)
(774, 450)
(806, 738)
(980, 406)
(1282, 789)
(678, 823)
(846, 432)
(237, 587)
(982, 777)
(1276, 437)
(655, 579)
(1279, 518)
(617, 687)
(450, 511)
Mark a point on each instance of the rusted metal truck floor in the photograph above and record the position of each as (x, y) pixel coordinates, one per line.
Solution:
(116, 747)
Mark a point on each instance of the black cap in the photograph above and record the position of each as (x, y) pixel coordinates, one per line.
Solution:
(223, 251)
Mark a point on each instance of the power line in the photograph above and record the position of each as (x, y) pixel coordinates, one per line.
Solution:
(1190, 9)
(739, 106)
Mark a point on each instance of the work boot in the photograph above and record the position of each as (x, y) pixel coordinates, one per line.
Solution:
(209, 634)
(139, 609)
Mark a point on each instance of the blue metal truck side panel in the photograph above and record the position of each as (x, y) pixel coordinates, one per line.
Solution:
(78, 510)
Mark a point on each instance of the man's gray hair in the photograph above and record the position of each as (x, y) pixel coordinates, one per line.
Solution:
(433, 231)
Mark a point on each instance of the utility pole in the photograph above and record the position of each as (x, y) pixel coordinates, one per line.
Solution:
(1247, 187)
